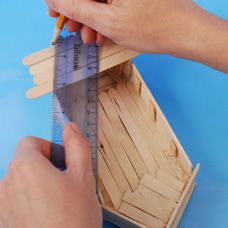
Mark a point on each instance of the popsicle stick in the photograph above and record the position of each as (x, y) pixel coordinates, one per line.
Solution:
(108, 181)
(184, 198)
(123, 136)
(39, 56)
(140, 216)
(133, 132)
(160, 188)
(43, 66)
(162, 123)
(107, 49)
(43, 77)
(145, 205)
(149, 115)
(155, 198)
(117, 149)
(105, 64)
(148, 135)
(177, 169)
(39, 90)
(170, 180)
(112, 163)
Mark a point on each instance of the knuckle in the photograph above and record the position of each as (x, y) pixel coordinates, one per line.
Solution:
(74, 10)
(26, 142)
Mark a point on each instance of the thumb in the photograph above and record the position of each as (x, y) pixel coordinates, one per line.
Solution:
(77, 151)
(91, 13)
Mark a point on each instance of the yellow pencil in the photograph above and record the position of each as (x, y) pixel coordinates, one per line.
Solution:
(59, 27)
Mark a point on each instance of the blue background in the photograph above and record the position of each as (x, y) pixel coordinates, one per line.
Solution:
(193, 98)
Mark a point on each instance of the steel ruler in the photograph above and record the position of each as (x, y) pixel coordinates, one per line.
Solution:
(75, 96)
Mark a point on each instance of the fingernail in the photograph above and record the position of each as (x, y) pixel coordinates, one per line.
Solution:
(84, 38)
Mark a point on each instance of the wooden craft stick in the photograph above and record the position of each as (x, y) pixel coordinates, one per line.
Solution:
(145, 205)
(177, 169)
(108, 181)
(133, 132)
(107, 49)
(121, 220)
(163, 123)
(149, 115)
(160, 188)
(184, 198)
(117, 149)
(155, 198)
(105, 64)
(39, 90)
(123, 136)
(148, 135)
(43, 77)
(112, 163)
(43, 66)
(170, 180)
(140, 216)
(39, 56)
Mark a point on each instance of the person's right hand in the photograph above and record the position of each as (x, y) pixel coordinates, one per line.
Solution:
(175, 27)
(145, 25)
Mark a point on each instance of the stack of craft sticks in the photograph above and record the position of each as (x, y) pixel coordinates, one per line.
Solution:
(144, 174)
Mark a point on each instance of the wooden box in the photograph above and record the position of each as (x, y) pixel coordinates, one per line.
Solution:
(145, 176)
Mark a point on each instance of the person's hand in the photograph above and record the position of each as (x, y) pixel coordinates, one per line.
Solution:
(148, 26)
(35, 194)
(88, 34)
(175, 27)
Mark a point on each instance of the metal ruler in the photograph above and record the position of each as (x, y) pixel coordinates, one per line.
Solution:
(75, 96)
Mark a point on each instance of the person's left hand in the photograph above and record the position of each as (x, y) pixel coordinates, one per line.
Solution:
(36, 194)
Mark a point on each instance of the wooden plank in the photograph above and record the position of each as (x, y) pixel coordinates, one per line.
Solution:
(108, 181)
(133, 132)
(119, 219)
(109, 48)
(42, 66)
(140, 216)
(145, 205)
(39, 56)
(112, 163)
(123, 136)
(148, 135)
(155, 198)
(160, 188)
(105, 64)
(170, 180)
(184, 205)
(163, 123)
(117, 149)
(43, 77)
(149, 114)
(184, 198)
(177, 169)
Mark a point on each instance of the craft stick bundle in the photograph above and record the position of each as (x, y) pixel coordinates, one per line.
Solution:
(145, 176)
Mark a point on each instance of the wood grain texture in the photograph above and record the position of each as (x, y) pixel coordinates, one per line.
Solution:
(118, 150)
(160, 188)
(140, 216)
(122, 135)
(145, 205)
(133, 132)
(112, 163)
(109, 183)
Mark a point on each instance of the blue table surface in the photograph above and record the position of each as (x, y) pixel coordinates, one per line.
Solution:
(193, 97)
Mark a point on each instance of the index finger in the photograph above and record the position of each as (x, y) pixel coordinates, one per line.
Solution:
(30, 146)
